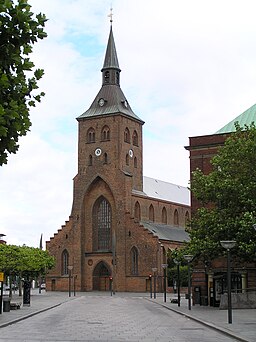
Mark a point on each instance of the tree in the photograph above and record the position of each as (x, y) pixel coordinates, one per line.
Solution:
(24, 261)
(228, 199)
(20, 29)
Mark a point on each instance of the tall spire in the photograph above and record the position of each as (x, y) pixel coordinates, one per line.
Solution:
(111, 70)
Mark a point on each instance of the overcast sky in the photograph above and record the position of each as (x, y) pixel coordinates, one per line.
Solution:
(188, 68)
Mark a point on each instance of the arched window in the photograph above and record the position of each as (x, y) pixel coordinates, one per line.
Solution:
(127, 135)
(135, 163)
(101, 225)
(151, 213)
(106, 77)
(187, 219)
(164, 215)
(135, 138)
(90, 160)
(64, 260)
(134, 261)
(117, 77)
(105, 133)
(176, 217)
(127, 159)
(91, 135)
(105, 158)
(137, 211)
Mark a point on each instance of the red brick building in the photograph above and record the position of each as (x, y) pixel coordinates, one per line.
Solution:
(122, 223)
(210, 278)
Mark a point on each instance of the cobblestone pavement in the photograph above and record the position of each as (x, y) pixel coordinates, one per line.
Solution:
(109, 318)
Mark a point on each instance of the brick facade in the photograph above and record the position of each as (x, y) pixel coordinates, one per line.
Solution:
(110, 181)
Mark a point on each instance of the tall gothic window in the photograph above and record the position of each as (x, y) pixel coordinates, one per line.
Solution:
(187, 219)
(164, 216)
(102, 225)
(91, 135)
(127, 135)
(105, 133)
(137, 211)
(135, 162)
(151, 213)
(134, 261)
(176, 217)
(64, 260)
(135, 138)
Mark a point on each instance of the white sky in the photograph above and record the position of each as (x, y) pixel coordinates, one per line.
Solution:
(188, 68)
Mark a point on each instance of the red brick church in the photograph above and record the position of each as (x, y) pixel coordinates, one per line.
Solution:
(122, 224)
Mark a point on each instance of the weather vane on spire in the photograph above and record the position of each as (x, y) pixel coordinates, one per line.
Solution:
(111, 15)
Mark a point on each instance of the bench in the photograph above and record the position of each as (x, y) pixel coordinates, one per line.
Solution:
(174, 301)
(15, 306)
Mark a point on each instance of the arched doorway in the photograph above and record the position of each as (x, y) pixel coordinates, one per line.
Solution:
(101, 276)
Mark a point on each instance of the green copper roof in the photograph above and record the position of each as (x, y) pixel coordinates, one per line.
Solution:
(246, 118)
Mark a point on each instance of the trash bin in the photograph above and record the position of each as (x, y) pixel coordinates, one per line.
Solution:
(6, 304)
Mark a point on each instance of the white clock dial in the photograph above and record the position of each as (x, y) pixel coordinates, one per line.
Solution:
(97, 152)
(131, 153)
(101, 102)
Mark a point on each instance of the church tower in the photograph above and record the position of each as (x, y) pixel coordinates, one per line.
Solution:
(105, 243)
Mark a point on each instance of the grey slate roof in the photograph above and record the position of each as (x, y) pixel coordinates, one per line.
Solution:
(166, 232)
(111, 60)
(165, 191)
(114, 103)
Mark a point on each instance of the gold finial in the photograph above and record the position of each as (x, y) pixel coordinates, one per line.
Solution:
(111, 15)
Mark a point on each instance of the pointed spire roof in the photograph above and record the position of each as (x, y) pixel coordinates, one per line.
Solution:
(246, 118)
(111, 60)
(110, 100)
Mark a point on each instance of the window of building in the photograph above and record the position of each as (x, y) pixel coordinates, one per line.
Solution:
(137, 211)
(90, 160)
(135, 163)
(64, 258)
(105, 158)
(151, 213)
(176, 217)
(127, 135)
(164, 215)
(134, 261)
(102, 225)
(135, 138)
(91, 135)
(187, 219)
(106, 77)
(127, 159)
(105, 133)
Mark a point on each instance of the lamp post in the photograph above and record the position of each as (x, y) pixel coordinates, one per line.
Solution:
(228, 245)
(164, 267)
(178, 279)
(150, 284)
(154, 270)
(70, 268)
(189, 258)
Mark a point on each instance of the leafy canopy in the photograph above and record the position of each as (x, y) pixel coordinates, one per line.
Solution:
(228, 199)
(24, 260)
(20, 29)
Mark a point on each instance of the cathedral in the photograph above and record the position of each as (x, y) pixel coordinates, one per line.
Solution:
(122, 224)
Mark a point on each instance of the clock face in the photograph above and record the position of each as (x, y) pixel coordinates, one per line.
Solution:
(125, 103)
(97, 152)
(131, 153)
(101, 102)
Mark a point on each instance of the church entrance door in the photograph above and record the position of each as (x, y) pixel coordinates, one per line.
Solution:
(101, 276)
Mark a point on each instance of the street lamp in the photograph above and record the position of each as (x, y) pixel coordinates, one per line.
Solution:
(189, 258)
(164, 267)
(228, 245)
(70, 268)
(150, 284)
(154, 270)
(178, 279)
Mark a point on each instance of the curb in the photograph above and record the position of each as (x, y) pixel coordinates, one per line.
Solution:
(207, 324)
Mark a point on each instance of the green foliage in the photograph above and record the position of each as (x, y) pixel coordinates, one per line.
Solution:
(25, 261)
(20, 29)
(228, 199)
(172, 276)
